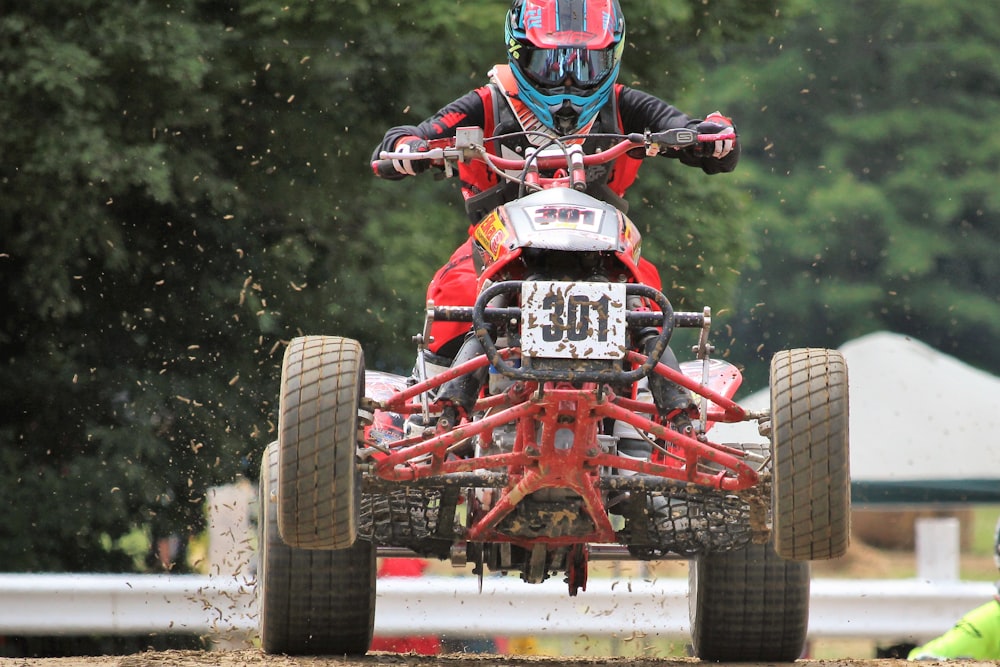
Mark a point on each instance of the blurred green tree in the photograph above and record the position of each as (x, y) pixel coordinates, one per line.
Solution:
(873, 172)
(185, 186)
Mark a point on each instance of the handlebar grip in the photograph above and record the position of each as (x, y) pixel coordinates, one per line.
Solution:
(384, 168)
(720, 136)
(684, 137)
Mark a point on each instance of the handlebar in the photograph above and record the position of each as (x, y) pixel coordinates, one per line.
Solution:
(470, 146)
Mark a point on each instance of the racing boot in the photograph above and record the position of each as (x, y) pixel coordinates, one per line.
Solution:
(459, 395)
(433, 365)
(427, 367)
(673, 402)
(463, 391)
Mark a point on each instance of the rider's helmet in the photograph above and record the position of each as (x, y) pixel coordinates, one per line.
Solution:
(565, 55)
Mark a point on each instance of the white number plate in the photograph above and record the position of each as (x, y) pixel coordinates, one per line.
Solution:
(567, 320)
(565, 217)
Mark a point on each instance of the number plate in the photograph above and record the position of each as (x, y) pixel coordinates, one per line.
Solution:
(565, 217)
(567, 320)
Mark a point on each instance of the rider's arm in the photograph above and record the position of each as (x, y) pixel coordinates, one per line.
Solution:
(466, 111)
(976, 636)
(641, 111)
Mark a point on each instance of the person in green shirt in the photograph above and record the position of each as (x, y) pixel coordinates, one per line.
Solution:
(976, 636)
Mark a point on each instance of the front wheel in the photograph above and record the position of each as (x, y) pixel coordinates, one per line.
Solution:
(322, 383)
(310, 602)
(748, 605)
(811, 489)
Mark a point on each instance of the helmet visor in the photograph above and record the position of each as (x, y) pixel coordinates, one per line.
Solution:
(586, 68)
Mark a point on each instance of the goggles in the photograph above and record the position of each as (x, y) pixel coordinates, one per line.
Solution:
(586, 68)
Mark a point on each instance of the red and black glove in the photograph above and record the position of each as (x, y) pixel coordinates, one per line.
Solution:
(716, 123)
(411, 144)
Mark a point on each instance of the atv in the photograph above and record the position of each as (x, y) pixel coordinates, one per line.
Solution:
(548, 450)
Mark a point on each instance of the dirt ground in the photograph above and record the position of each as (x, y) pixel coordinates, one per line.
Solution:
(255, 658)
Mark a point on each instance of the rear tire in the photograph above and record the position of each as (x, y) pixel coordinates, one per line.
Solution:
(748, 606)
(322, 383)
(811, 489)
(310, 602)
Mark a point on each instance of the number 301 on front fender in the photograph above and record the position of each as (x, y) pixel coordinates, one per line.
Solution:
(571, 320)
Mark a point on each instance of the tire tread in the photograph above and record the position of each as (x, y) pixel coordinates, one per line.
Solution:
(321, 387)
(310, 602)
(810, 422)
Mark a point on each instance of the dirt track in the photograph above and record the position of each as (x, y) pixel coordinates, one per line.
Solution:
(254, 658)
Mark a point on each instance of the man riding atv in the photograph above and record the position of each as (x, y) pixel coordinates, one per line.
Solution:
(563, 60)
(564, 429)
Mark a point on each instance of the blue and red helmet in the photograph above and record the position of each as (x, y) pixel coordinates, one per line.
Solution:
(565, 55)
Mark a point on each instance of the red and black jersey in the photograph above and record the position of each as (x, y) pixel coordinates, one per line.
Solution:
(627, 111)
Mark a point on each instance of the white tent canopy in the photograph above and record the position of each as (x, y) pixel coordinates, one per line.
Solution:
(923, 427)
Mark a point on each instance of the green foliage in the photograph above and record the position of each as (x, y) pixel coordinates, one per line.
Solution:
(873, 171)
(136, 338)
(185, 186)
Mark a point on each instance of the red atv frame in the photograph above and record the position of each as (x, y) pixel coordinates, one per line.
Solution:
(528, 477)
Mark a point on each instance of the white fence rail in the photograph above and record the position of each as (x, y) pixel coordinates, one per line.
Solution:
(60, 604)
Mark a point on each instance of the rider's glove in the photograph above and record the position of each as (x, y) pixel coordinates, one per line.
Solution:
(716, 123)
(411, 144)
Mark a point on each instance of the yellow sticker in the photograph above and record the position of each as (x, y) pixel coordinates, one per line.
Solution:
(491, 234)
